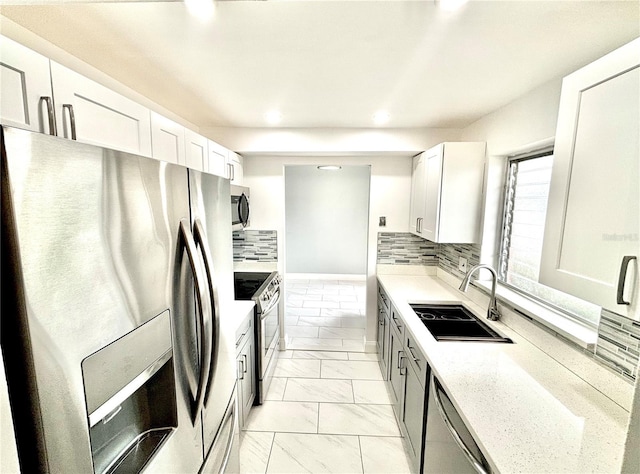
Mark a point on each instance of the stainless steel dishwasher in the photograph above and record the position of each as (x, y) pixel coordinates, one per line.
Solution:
(449, 447)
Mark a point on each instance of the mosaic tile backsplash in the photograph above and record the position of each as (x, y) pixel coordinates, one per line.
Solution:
(403, 248)
(449, 256)
(255, 245)
(619, 344)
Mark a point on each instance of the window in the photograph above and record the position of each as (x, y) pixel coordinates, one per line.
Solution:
(525, 209)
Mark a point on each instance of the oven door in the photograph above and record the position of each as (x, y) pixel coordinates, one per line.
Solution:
(269, 332)
(268, 337)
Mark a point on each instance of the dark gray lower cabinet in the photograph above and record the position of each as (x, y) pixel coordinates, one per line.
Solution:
(384, 309)
(413, 416)
(383, 342)
(246, 371)
(396, 370)
(406, 371)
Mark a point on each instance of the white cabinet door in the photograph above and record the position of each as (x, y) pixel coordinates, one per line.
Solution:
(236, 168)
(594, 199)
(217, 162)
(167, 140)
(98, 115)
(429, 226)
(417, 194)
(446, 192)
(195, 150)
(25, 88)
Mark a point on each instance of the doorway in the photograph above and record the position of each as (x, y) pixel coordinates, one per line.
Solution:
(326, 236)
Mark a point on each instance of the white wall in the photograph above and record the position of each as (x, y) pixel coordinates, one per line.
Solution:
(524, 124)
(326, 219)
(390, 189)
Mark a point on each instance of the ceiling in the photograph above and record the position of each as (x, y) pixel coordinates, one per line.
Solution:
(334, 63)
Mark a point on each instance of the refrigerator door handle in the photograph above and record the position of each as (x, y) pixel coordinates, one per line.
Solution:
(201, 238)
(205, 330)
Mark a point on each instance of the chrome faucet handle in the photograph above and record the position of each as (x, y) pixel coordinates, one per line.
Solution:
(493, 314)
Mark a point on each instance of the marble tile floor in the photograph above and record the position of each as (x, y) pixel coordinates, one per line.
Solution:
(326, 412)
(326, 315)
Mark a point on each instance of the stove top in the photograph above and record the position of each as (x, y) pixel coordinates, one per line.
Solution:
(246, 284)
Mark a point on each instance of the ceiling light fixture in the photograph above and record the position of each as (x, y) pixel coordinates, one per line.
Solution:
(201, 9)
(329, 167)
(273, 117)
(451, 5)
(381, 117)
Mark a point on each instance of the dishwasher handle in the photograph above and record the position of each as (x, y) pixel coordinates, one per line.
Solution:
(477, 464)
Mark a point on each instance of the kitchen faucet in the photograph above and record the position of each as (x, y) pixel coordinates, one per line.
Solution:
(492, 313)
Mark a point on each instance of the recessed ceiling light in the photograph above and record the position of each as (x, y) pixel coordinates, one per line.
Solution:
(381, 117)
(273, 117)
(451, 5)
(329, 167)
(201, 9)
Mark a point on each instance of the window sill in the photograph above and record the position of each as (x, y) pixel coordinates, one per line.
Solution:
(582, 335)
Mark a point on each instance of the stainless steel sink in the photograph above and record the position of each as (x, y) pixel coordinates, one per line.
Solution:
(454, 322)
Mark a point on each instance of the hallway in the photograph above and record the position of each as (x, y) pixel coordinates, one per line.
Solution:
(325, 315)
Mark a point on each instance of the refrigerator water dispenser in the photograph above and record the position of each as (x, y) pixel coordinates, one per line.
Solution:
(131, 397)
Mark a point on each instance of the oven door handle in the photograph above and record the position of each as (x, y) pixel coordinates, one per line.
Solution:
(200, 238)
(272, 305)
(205, 349)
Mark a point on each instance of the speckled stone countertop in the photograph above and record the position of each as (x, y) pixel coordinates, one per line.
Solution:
(527, 412)
(241, 309)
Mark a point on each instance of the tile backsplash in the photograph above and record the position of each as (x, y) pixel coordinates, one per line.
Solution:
(403, 248)
(255, 245)
(449, 256)
(619, 344)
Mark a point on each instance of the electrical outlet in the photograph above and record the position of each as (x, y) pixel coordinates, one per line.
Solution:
(383, 221)
(462, 264)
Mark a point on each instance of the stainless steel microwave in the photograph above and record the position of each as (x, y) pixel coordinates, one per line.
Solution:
(239, 207)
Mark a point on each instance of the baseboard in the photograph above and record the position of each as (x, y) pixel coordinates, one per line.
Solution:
(371, 347)
(325, 276)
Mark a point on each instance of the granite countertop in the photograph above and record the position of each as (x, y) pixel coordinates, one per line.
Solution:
(528, 412)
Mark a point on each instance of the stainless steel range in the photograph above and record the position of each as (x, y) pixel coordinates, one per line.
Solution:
(264, 289)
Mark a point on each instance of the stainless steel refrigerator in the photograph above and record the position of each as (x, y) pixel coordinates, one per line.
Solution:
(117, 286)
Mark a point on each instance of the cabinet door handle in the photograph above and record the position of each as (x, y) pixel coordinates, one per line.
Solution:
(413, 356)
(624, 268)
(242, 371)
(232, 171)
(244, 364)
(53, 128)
(72, 119)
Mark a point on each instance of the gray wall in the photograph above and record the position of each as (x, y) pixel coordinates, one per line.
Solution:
(326, 219)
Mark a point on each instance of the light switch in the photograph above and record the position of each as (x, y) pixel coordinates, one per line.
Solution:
(462, 264)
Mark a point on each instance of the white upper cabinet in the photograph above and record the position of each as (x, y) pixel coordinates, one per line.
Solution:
(195, 150)
(446, 192)
(91, 113)
(217, 162)
(167, 140)
(236, 168)
(592, 234)
(26, 100)
(417, 194)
